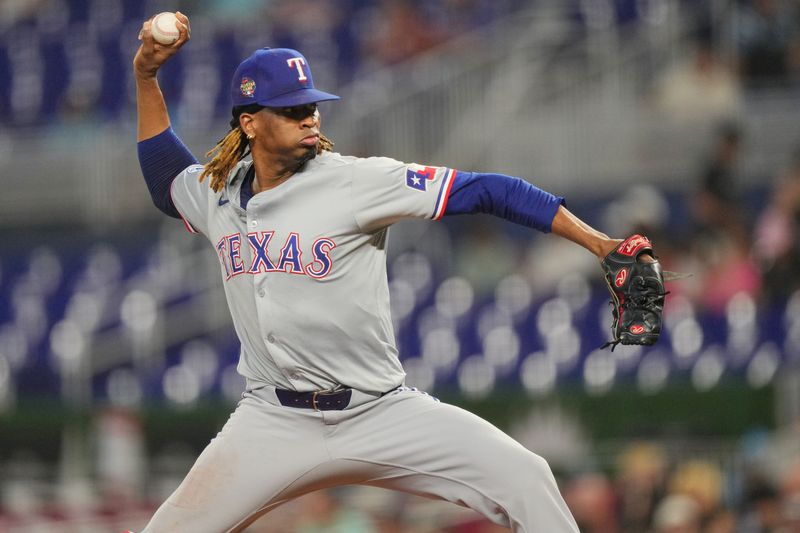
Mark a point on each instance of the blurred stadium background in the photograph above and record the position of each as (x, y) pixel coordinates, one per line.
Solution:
(675, 118)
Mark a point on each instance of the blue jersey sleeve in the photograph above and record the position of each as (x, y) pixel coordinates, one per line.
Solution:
(507, 197)
(162, 158)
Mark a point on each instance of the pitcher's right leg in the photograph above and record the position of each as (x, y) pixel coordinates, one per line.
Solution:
(262, 449)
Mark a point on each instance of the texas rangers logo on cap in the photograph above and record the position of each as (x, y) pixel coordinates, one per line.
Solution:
(275, 77)
(247, 86)
(297, 63)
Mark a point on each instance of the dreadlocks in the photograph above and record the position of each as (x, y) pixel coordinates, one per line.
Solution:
(234, 147)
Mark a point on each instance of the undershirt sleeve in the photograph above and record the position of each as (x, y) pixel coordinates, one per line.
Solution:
(162, 158)
(507, 197)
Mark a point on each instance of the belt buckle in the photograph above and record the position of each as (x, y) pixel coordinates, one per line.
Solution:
(314, 397)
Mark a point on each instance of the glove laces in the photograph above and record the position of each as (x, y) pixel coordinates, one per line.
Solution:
(645, 297)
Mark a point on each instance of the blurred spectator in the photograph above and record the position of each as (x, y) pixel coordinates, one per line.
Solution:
(640, 482)
(677, 514)
(702, 482)
(765, 33)
(398, 31)
(121, 457)
(791, 515)
(722, 239)
(761, 508)
(593, 503)
(644, 209)
(725, 270)
(701, 89)
(722, 522)
(717, 205)
(789, 490)
(641, 209)
(777, 235)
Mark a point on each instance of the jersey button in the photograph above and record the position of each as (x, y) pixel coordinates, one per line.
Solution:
(253, 223)
(262, 292)
(271, 338)
(295, 375)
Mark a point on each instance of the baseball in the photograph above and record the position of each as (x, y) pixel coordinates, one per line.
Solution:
(164, 29)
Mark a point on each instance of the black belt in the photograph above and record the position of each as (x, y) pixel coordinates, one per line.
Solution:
(317, 400)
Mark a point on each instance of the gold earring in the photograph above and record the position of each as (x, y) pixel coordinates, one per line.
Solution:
(250, 136)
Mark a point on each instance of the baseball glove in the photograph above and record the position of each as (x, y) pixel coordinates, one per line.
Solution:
(637, 292)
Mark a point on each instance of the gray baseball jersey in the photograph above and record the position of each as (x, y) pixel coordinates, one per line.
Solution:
(304, 267)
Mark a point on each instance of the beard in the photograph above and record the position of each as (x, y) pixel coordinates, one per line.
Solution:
(309, 154)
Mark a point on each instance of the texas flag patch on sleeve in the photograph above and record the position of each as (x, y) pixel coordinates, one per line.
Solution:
(418, 177)
(433, 180)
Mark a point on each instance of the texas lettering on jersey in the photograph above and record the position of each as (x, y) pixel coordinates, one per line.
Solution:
(289, 260)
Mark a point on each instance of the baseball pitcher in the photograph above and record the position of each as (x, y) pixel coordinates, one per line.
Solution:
(300, 233)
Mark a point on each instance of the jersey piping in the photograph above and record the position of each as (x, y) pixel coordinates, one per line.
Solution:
(444, 194)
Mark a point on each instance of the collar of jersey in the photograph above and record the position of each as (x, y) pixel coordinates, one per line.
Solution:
(233, 188)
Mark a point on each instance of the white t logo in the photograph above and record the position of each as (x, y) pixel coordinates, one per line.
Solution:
(298, 62)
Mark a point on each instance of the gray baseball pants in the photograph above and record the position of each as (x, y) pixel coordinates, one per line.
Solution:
(267, 454)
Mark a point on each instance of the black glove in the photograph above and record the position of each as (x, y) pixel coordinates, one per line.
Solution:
(637, 292)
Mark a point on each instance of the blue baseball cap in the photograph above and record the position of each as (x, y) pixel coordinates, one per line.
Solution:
(275, 77)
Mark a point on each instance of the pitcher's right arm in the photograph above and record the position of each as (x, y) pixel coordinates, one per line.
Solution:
(162, 155)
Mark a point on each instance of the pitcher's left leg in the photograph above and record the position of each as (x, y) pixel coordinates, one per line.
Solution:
(442, 451)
